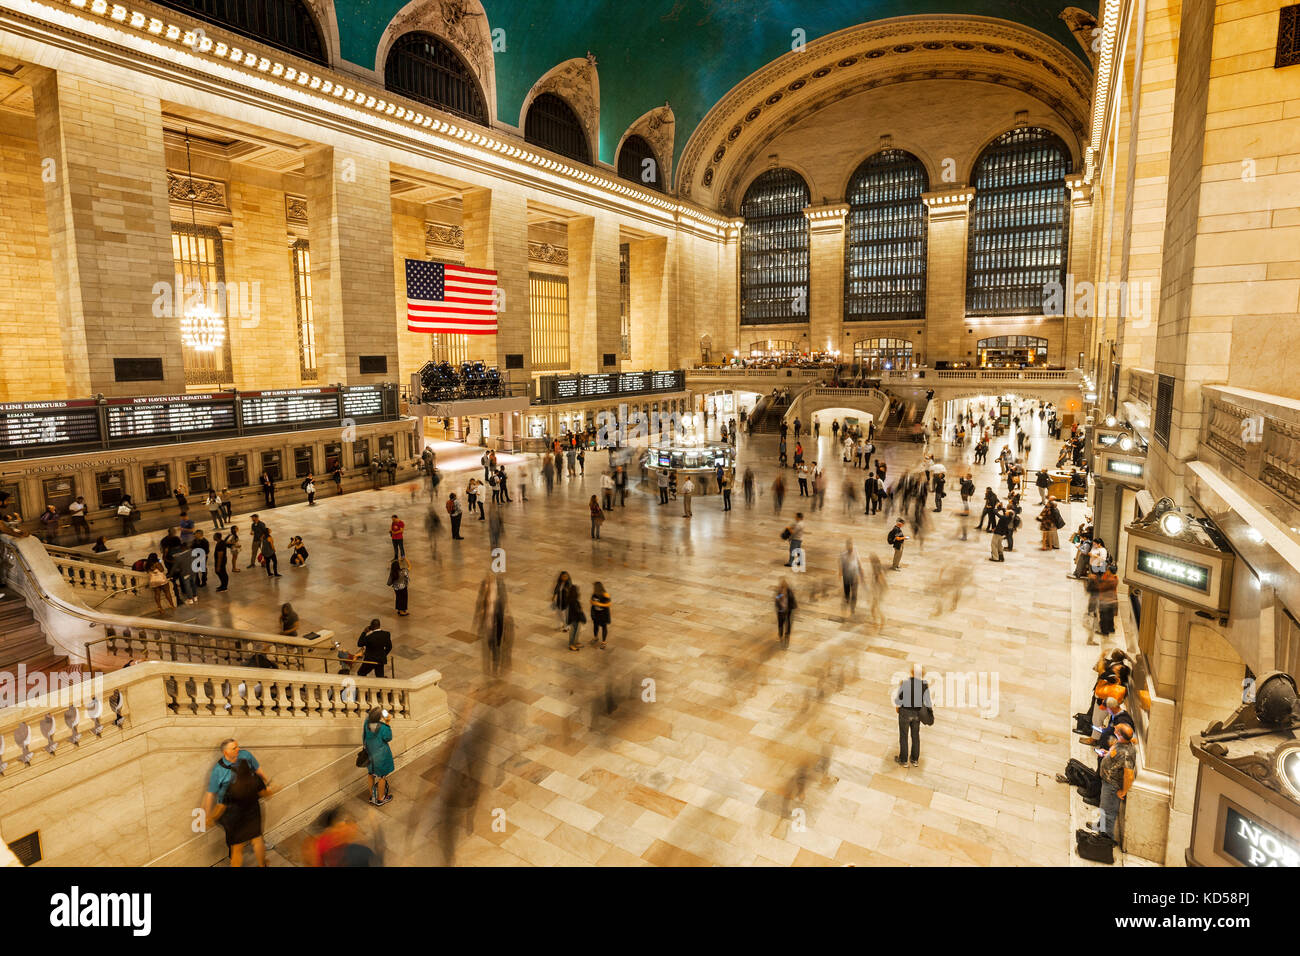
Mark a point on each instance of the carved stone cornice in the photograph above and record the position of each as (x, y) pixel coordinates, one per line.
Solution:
(979, 49)
(658, 128)
(444, 234)
(207, 192)
(828, 217)
(948, 203)
(461, 24)
(545, 252)
(577, 83)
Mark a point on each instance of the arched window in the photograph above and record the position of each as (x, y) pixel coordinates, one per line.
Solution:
(552, 124)
(884, 251)
(1011, 351)
(284, 24)
(882, 355)
(637, 161)
(773, 349)
(423, 67)
(774, 250)
(1019, 223)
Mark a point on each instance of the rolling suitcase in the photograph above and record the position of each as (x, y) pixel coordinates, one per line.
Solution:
(1095, 846)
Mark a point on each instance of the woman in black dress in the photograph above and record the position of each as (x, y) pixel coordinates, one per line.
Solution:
(399, 577)
(241, 814)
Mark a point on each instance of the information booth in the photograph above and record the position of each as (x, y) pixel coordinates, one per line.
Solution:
(695, 459)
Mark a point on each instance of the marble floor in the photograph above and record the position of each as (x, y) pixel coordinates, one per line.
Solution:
(721, 748)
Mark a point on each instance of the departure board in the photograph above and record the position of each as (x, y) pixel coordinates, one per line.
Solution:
(363, 401)
(667, 381)
(599, 386)
(567, 387)
(159, 415)
(289, 407)
(37, 424)
(633, 383)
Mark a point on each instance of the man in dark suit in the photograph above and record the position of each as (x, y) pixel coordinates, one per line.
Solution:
(375, 644)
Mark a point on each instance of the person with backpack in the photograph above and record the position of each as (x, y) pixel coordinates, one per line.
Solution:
(786, 604)
(269, 560)
(794, 535)
(309, 486)
(240, 812)
(967, 488)
(376, 735)
(600, 605)
(258, 531)
(214, 510)
(126, 512)
(455, 511)
(895, 538)
(597, 517)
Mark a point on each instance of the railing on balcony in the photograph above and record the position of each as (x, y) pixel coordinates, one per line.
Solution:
(1255, 434)
(105, 579)
(116, 649)
(1064, 376)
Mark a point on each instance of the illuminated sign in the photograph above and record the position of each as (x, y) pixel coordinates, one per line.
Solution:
(1253, 844)
(1106, 439)
(1288, 770)
(1174, 570)
(1129, 469)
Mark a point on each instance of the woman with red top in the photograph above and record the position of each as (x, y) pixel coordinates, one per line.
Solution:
(395, 531)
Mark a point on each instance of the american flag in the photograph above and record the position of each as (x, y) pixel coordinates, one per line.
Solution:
(441, 297)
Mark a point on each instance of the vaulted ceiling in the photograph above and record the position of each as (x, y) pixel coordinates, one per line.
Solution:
(689, 53)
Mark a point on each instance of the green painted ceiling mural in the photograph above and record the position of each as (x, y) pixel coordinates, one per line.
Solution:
(687, 52)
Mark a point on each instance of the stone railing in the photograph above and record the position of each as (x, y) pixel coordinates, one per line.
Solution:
(105, 579)
(1255, 434)
(915, 376)
(83, 553)
(110, 771)
(71, 626)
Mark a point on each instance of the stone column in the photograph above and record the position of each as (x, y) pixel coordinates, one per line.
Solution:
(945, 282)
(495, 222)
(826, 275)
(351, 233)
(593, 293)
(110, 231)
(652, 329)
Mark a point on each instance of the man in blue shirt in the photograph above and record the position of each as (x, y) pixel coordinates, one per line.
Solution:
(223, 771)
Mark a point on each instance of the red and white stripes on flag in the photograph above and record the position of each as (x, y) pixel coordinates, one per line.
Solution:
(442, 297)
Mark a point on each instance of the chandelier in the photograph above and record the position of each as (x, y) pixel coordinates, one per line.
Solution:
(202, 329)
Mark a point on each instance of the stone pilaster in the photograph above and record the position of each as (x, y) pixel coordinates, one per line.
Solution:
(349, 206)
(945, 283)
(594, 322)
(263, 345)
(495, 222)
(826, 275)
(1079, 264)
(109, 231)
(650, 337)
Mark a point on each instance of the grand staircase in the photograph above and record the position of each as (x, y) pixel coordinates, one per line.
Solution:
(22, 642)
(767, 416)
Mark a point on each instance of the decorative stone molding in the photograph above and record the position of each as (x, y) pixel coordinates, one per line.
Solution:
(578, 84)
(827, 218)
(949, 203)
(1080, 189)
(658, 128)
(462, 24)
(207, 192)
(295, 210)
(443, 234)
(1083, 26)
(976, 49)
(545, 252)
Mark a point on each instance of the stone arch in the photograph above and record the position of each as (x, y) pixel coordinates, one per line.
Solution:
(932, 172)
(1073, 145)
(461, 24)
(578, 84)
(658, 127)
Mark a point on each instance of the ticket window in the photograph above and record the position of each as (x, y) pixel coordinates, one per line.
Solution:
(157, 482)
(333, 456)
(387, 447)
(485, 428)
(11, 499)
(361, 453)
(60, 491)
(236, 471)
(536, 428)
(110, 486)
(198, 476)
(303, 461)
(272, 466)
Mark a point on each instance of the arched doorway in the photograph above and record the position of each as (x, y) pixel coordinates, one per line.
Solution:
(1012, 351)
(882, 355)
(706, 349)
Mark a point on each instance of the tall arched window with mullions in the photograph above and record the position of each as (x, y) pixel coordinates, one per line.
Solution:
(884, 251)
(284, 24)
(637, 161)
(423, 67)
(1019, 223)
(552, 124)
(774, 250)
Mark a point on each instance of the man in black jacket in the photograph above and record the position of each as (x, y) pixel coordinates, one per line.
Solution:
(375, 644)
(911, 697)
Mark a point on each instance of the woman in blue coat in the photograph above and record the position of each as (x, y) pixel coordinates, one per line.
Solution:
(375, 736)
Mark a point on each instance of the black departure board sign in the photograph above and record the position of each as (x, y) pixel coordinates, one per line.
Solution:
(363, 401)
(290, 406)
(556, 389)
(152, 416)
(633, 382)
(599, 386)
(48, 424)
